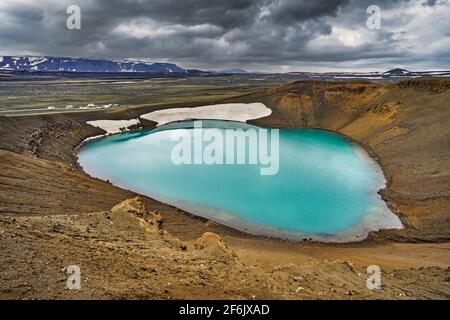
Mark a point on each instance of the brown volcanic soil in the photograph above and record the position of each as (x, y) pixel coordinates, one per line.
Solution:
(53, 215)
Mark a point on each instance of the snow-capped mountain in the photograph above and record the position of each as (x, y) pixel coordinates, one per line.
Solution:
(61, 64)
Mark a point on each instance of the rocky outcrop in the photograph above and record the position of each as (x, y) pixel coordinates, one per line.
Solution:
(212, 244)
(54, 131)
(386, 110)
(133, 206)
(427, 85)
(297, 107)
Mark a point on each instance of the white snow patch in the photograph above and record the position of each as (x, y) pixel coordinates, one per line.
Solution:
(34, 61)
(114, 126)
(241, 112)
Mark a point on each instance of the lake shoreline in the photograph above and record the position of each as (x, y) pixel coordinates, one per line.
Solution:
(357, 233)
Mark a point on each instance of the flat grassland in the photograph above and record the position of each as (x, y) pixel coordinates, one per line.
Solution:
(25, 97)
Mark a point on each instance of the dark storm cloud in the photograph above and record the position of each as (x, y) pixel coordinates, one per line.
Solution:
(265, 34)
(287, 12)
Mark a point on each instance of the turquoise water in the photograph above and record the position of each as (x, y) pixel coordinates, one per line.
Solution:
(325, 188)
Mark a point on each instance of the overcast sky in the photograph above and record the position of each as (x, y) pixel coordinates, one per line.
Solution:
(268, 35)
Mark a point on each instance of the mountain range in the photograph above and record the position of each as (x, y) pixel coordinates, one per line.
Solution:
(85, 65)
(46, 64)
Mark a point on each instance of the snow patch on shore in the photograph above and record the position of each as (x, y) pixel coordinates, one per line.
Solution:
(114, 126)
(241, 112)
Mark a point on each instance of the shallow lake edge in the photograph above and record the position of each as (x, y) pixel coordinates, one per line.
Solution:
(359, 232)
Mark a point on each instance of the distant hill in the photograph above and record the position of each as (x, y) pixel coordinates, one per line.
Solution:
(397, 72)
(234, 71)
